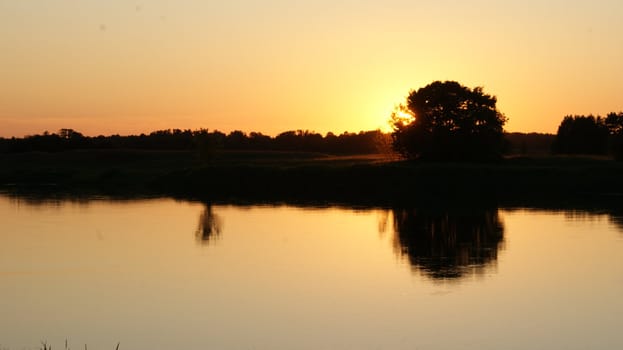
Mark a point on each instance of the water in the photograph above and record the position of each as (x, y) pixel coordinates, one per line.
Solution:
(165, 274)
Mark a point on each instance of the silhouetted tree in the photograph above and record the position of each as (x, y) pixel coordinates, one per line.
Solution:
(67, 134)
(448, 121)
(237, 140)
(614, 123)
(258, 141)
(287, 140)
(448, 243)
(582, 135)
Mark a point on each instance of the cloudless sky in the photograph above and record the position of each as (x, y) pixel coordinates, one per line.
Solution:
(118, 66)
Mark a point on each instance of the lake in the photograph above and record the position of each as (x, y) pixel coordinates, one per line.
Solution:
(167, 274)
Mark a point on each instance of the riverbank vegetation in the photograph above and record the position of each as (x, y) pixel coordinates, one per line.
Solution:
(307, 176)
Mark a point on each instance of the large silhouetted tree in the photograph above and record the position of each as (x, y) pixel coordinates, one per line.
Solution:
(448, 121)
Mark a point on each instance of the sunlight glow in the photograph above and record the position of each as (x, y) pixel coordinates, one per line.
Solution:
(401, 117)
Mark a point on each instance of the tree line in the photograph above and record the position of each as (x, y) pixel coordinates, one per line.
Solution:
(594, 135)
(576, 135)
(364, 142)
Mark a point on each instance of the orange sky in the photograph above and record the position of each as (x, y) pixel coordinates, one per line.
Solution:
(115, 66)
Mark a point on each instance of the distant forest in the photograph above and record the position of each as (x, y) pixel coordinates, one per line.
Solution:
(364, 142)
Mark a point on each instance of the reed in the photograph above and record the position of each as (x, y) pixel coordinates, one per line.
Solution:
(46, 346)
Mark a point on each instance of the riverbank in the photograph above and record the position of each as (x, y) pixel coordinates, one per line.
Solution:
(288, 176)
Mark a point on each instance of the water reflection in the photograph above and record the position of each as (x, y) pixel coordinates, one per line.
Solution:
(448, 243)
(271, 258)
(616, 217)
(618, 221)
(443, 243)
(209, 226)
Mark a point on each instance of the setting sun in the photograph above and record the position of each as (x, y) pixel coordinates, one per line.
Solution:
(401, 117)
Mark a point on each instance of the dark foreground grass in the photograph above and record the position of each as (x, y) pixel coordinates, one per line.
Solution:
(291, 176)
(46, 346)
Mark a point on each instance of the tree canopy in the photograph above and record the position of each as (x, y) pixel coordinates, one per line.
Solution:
(594, 135)
(448, 121)
(582, 135)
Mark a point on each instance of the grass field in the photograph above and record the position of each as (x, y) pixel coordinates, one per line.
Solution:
(309, 176)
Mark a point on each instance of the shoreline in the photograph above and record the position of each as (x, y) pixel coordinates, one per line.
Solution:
(363, 180)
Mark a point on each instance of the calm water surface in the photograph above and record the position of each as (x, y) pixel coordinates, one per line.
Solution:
(164, 274)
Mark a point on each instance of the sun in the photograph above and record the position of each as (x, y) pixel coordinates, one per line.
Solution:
(401, 117)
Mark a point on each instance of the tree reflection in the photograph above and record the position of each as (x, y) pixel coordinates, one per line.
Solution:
(450, 243)
(616, 217)
(209, 227)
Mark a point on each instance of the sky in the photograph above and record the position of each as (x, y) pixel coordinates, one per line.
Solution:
(127, 67)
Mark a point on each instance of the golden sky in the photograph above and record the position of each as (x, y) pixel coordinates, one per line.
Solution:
(118, 66)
